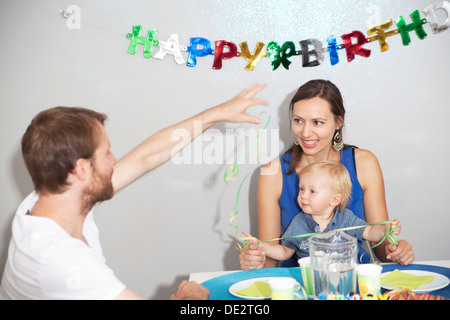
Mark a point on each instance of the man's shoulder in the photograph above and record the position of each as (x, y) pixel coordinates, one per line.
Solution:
(39, 236)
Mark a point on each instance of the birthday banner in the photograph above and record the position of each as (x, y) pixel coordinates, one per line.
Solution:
(311, 50)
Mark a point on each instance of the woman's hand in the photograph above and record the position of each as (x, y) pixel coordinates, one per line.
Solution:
(396, 227)
(252, 256)
(401, 254)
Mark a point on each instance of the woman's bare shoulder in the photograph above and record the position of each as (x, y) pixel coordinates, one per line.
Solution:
(270, 175)
(368, 168)
(365, 158)
(272, 169)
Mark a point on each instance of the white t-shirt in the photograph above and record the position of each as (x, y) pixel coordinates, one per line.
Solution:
(45, 262)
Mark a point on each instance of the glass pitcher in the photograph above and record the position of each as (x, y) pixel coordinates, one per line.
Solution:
(333, 263)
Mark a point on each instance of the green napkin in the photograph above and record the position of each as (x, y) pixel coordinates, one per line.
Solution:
(257, 289)
(405, 280)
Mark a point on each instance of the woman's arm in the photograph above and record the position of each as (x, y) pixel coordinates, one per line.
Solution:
(269, 220)
(270, 185)
(371, 179)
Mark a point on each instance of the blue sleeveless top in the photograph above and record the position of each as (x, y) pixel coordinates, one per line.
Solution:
(289, 207)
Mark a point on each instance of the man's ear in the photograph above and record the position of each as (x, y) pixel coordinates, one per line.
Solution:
(82, 168)
(336, 200)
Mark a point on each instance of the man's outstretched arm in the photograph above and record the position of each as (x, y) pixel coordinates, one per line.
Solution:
(161, 146)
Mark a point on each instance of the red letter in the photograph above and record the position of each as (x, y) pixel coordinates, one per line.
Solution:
(219, 55)
(355, 48)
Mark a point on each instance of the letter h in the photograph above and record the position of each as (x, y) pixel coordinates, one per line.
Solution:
(137, 39)
(416, 25)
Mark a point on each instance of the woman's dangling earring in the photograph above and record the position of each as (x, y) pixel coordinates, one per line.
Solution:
(338, 144)
(296, 142)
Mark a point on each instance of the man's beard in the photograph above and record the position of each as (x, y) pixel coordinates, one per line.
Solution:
(101, 190)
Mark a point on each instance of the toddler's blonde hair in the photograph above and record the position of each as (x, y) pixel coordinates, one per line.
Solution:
(339, 179)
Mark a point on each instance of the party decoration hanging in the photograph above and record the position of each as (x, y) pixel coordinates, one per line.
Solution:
(311, 50)
(137, 39)
(195, 52)
(252, 58)
(333, 48)
(273, 51)
(172, 46)
(233, 170)
(281, 55)
(234, 212)
(380, 35)
(317, 52)
(355, 48)
(416, 25)
(430, 12)
(287, 51)
(220, 54)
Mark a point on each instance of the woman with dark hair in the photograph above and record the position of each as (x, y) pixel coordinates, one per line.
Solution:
(317, 116)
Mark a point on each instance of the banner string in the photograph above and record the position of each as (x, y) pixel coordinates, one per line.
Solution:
(66, 15)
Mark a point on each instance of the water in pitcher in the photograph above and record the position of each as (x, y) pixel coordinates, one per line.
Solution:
(333, 263)
(335, 281)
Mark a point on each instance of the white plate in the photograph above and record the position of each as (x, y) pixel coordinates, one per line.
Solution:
(245, 284)
(440, 281)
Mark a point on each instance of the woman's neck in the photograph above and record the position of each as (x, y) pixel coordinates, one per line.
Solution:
(330, 154)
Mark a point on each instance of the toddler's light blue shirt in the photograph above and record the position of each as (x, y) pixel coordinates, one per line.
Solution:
(302, 223)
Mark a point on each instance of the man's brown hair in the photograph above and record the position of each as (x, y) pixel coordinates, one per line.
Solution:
(55, 140)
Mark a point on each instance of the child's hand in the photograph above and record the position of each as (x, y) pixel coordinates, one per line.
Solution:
(251, 239)
(252, 256)
(396, 227)
(402, 252)
(255, 241)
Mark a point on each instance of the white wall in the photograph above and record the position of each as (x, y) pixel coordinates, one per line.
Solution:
(174, 221)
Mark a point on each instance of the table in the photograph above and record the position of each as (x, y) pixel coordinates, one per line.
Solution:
(204, 276)
(219, 281)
